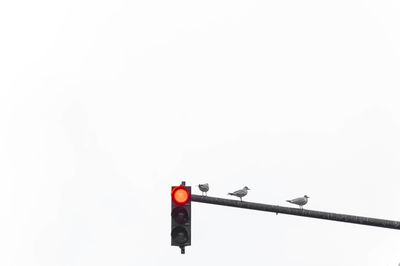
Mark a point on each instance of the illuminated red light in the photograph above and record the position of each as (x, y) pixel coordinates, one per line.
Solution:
(180, 195)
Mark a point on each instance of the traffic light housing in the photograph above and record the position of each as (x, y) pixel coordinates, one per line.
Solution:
(181, 216)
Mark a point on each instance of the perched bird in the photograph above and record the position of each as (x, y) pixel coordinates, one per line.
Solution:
(300, 201)
(204, 188)
(240, 193)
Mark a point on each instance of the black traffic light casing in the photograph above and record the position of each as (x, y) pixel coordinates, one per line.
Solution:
(181, 216)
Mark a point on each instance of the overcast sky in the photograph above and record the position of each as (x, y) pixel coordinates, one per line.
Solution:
(104, 105)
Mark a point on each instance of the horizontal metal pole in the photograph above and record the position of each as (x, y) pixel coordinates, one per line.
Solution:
(299, 212)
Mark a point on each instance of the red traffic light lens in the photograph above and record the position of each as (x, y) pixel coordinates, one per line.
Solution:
(180, 195)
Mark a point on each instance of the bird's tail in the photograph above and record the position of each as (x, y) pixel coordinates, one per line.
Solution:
(230, 194)
(289, 201)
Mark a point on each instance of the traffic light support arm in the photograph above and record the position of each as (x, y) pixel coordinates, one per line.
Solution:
(299, 212)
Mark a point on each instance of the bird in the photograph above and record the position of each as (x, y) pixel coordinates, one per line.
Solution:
(240, 193)
(299, 201)
(204, 188)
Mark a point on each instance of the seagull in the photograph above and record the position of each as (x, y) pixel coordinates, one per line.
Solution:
(204, 188)
(300, 201)
(240, 193)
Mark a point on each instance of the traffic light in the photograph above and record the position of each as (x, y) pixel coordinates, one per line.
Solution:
(181, 216)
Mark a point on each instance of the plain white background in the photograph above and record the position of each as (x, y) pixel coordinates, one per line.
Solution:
(106, 104)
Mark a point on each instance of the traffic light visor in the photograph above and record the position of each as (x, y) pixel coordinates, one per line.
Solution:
(180, 195)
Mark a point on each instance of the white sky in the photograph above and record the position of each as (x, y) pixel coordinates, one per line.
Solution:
(106, 104)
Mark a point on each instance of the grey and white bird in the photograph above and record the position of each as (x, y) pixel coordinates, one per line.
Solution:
(240, 193)
(204, 188)
(300, 201)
